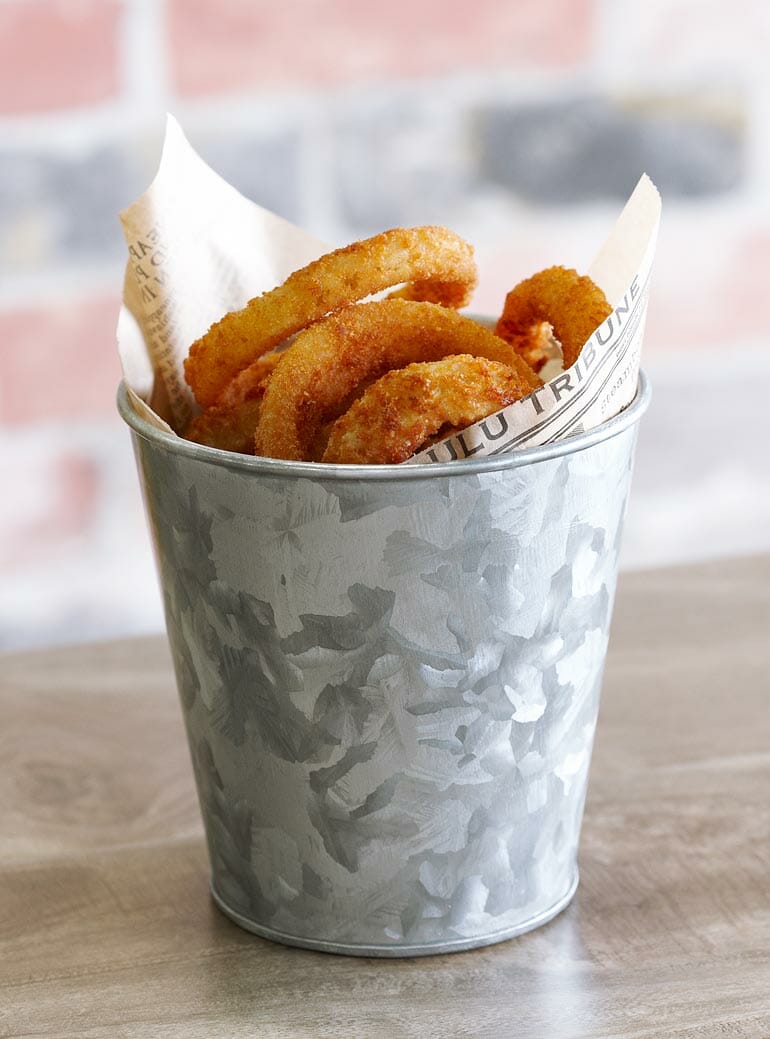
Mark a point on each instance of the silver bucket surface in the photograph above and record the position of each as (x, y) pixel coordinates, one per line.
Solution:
(390, 679)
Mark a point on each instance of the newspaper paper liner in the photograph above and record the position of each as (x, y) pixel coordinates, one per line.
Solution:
(197, 249)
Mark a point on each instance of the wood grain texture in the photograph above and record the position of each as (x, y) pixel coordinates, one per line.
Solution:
(106, 928)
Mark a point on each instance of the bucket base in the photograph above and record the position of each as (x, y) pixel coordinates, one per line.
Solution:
(426, 949)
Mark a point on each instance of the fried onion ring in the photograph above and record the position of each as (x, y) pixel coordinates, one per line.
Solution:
(319, 375)
(406, 408)
(572, 305)
(437, 264)
(230, 423)
(229, 429)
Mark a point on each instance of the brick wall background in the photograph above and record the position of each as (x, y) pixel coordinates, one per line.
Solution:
(522, 125)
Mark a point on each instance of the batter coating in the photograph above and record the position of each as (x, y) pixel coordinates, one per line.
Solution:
(329, 364)
(401, 412)
(571, 304)
(437, 264)
(230, 423)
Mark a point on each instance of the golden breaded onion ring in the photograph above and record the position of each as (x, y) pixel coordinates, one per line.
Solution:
(437, 263)
(230, 423)
(572, 305)
(229, 429)
(403, 410)
(321, 372)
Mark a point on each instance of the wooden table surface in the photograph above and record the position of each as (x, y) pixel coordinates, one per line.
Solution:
(107, 930)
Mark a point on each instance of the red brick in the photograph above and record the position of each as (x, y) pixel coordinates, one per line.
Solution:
(57, 54)
(59, 361)
(707, 43)
(746, 283)
(58, 502)
(232, 45)
(706, 304)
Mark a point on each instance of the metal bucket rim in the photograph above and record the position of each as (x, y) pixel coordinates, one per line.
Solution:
(325, 471)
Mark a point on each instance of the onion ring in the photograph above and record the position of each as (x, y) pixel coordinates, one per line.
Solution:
(229, 429)
(404, 409)
(230, 423)
(572, 305)
(437, 263)
(326, 366)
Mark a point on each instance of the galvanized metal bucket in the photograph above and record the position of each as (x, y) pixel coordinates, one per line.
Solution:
(390, 680)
